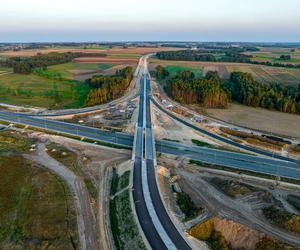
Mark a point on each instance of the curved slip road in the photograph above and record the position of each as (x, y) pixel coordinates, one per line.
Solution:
(219, 138)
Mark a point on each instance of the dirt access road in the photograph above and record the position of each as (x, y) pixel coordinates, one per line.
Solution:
(228, 208)
(87, 227)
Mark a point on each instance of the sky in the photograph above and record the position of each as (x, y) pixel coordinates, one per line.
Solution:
(152, 20)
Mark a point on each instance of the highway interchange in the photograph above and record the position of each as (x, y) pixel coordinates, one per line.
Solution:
(155, 223)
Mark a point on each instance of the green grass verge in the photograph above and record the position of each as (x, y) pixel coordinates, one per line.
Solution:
(282, 218)
(187, 206)
(207, 145)
(124, 229)
(79, 138)
(119, 182)
(13, 142)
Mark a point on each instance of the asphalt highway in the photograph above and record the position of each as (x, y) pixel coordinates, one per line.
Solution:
(144, 217)
(219, 138)
(150, 155)
(69, 128)
(271, 166)
(145, 157)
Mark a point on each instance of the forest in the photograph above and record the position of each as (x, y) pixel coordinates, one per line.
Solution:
(25, 65)
(184, 87)
(107, 88)
(243, 88)
(212, 92)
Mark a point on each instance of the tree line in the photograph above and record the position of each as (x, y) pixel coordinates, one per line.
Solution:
(230, 54)
(226, 54)
(212, 92)
(26, 65)
(107, 88)
(243, 88)
(184, 87)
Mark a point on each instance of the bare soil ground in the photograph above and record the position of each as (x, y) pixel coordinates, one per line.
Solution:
(167, 128)
(237, 234)
(260, 119)
(245, 210)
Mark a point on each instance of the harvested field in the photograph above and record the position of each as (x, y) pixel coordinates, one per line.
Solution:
(114, 50)
(259, 119)
(105, 60)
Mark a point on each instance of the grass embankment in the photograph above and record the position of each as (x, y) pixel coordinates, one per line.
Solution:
(13, 142)
(124, 229)
(233, 188)
(282, 218)
(187, 206)
(242, 171)
(37, 210)
(254, 139)
(119, 182)
(207, 145)
(71, 136)
(294, 200)
(71, 160)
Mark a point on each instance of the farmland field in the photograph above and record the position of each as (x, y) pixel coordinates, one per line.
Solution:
(262, 73)
(272, 55)
(175, 68)
(71, 70)
(131, 51)
(39, 91)
(59, 86)
(260, 119)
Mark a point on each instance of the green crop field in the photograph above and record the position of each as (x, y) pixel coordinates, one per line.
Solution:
(69, 70)
(273, 54)
(123, 55)
(39, 91)
(198, 71)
